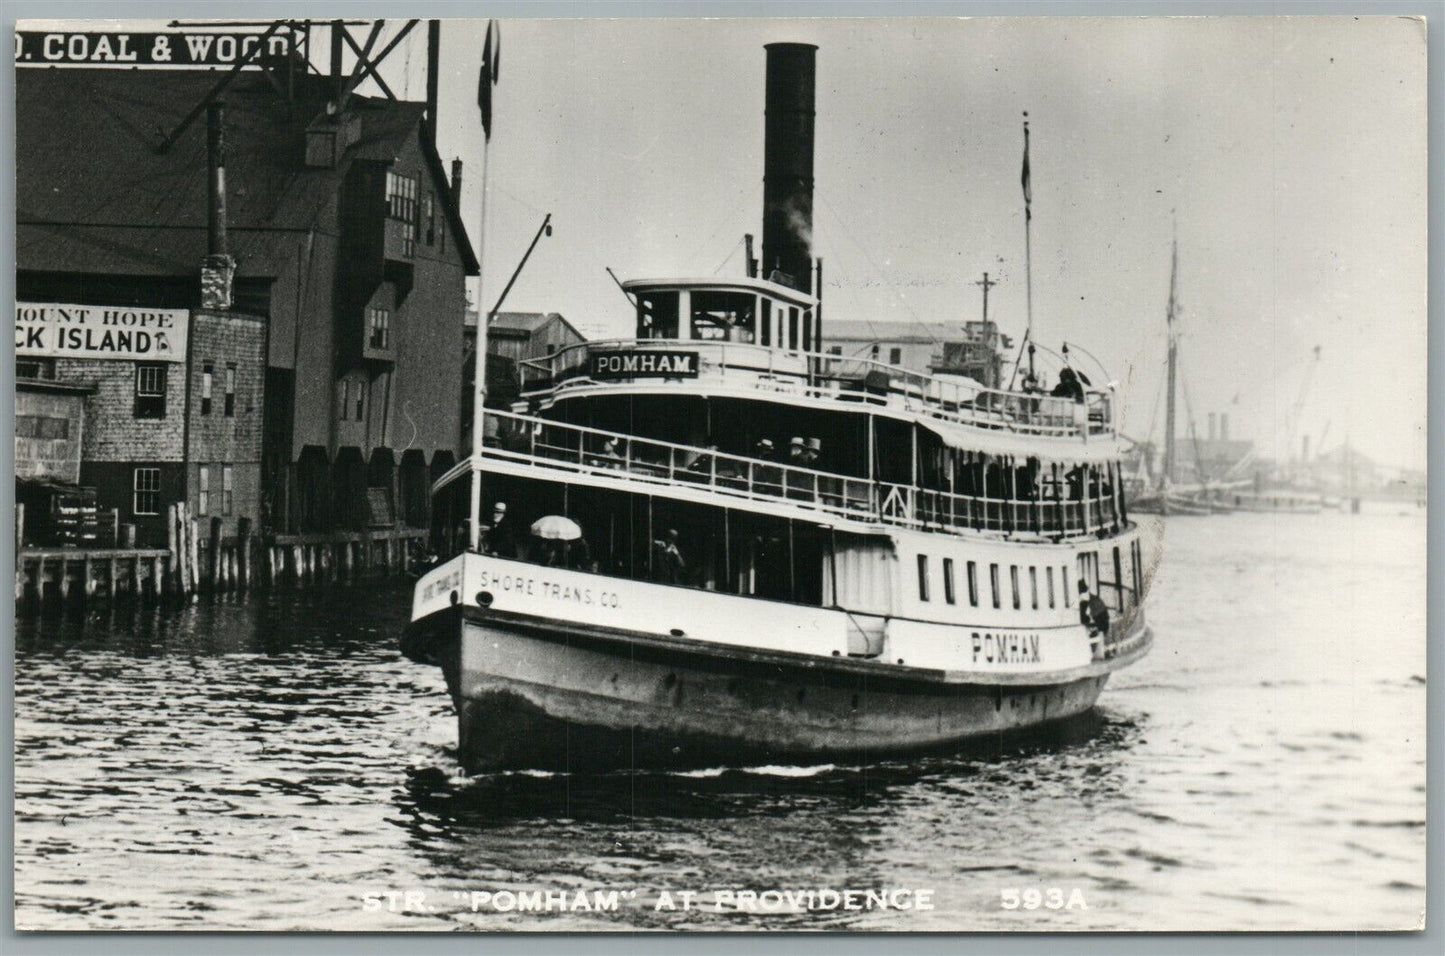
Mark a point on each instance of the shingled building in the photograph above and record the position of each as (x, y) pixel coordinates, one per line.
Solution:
(325, 396)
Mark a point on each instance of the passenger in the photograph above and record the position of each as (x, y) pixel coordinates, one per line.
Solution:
(702, 465)
(1093, 612)
(579, 556)
(812, 451)
(767, 478)
(797, 452)
(1069, 386)
(500, 536)
(667, 563)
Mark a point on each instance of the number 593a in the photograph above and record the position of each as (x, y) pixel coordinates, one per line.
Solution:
(1050, 898)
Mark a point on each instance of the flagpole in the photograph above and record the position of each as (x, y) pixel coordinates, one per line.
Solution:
(479, 392)
(1028, 248)
(479, 374)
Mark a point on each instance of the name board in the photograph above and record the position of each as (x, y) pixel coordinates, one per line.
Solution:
(650, 364)
(51, 330)
(144, 49)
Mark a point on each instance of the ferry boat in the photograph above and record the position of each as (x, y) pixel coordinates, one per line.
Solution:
(750, 551)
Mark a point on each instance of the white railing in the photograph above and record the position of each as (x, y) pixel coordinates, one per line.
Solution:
(842, 378)
(578, 449)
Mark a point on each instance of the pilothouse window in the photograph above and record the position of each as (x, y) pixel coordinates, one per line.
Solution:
(723, 316)
(657, 315)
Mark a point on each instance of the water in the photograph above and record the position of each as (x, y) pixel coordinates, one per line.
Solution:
(266, 763)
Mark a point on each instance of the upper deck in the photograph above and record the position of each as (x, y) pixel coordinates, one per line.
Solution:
(676, 365)
(750, 336)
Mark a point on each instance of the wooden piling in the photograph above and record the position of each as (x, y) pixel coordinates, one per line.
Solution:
(243, 553)
(89, 587)
(156, 577)
(63, 579)
(171, 544)
(19, 527)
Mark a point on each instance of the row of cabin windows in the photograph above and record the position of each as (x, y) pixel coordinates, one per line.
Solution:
(717, 316)
(895, 354)
(950, 594)
(418, 218)
(1037, 594)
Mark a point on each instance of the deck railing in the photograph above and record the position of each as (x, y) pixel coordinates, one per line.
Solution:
(579, 449)
(841, 378)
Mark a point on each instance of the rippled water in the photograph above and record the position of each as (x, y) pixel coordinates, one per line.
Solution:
(268, 762)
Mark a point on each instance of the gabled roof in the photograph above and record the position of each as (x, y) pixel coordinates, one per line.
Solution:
(524, 324)
(93, 193)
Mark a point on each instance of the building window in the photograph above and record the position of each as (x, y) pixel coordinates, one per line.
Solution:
(203, 506)
(993, 584)
(1013, 574)
(146, 485)
(207, 373)
(835, 350)
(360, 399)
(343, 398)
(378, 324)
(41, 426)
(401, 205)
(948, 594)
(895, 356)
(30, 367)
(150, 390)
(923, 577)
(973, 584)
(227, 488)
(230, 410)
(429, 219)
(873, 352)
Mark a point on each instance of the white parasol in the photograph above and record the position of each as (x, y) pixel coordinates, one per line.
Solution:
(556, 528)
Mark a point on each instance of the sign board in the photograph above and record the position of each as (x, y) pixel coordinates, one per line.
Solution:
(53, 330)
(171, 49)
(649, 364)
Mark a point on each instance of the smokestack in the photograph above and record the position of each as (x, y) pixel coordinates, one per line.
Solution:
(788, 163)
(218, 268)
(433, 57)
(457, 183)
(1213, 426)
(1224, 426)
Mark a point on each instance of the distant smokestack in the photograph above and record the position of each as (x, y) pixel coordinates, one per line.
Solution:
(457, 183)
(433, 57)
(1213, 426)
(788, 163)
(218, 269)
(1224, 426)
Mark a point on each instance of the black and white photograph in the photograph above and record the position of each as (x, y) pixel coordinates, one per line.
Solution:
(583, 475)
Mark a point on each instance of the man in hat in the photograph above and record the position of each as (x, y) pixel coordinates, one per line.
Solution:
(812, 451)
(767, 479)
(501, 537)
(797, 458)
(1093, 613)
(667, 564)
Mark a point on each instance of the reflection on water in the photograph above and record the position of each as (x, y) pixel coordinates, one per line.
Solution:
(266, 762)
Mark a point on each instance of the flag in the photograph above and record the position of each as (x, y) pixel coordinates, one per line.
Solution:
(491, 61)
(1028, 189)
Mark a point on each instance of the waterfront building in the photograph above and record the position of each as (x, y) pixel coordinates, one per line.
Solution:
(312, 377)
(972, 348)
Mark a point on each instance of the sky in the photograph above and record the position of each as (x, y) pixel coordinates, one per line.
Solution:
(1287, 154)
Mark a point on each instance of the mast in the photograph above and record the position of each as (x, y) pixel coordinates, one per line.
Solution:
(1169, 476)
(488, 79)
(1028, 249)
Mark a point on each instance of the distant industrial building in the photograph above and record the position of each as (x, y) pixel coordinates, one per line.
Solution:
(304, 374)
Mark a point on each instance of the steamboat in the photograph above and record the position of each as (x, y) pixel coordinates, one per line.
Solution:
(716, 543)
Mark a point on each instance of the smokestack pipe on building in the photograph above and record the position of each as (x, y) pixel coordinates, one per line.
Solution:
(788, 163)
(217, 243)
(218, 269)
(433, 59)
(457, 183)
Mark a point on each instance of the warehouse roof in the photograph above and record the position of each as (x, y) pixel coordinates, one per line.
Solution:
(95, 194)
